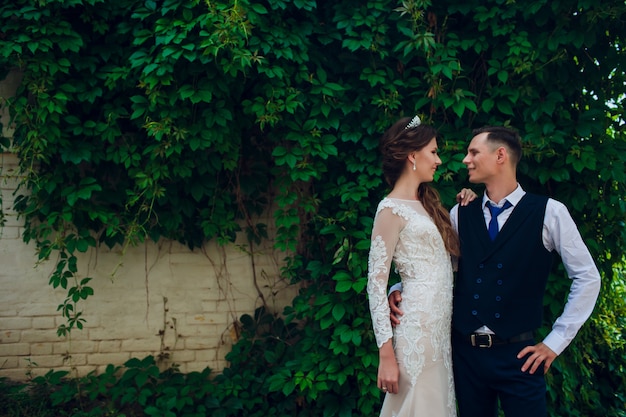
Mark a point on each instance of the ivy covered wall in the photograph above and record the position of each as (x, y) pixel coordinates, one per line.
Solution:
(184, 119)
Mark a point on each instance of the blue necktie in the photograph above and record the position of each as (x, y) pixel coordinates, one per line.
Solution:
(495, 212)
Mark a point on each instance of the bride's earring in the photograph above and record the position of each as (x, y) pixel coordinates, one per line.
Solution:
(414, 167)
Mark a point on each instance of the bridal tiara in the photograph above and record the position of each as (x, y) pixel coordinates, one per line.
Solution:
(415, 122)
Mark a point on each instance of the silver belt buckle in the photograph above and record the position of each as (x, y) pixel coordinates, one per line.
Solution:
(482, 343)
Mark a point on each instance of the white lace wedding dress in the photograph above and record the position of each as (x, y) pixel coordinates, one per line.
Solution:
(405, 233)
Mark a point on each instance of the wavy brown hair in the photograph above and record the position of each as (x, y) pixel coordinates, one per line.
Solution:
(395, 146)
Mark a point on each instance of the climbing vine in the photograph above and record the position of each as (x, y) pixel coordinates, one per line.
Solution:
(183, 120)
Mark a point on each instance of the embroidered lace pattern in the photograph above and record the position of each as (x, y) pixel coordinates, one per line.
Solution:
(405, 234)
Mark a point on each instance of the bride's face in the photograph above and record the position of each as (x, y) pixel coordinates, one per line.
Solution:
(426, 161)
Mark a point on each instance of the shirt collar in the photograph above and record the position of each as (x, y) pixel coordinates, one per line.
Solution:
(513, 198)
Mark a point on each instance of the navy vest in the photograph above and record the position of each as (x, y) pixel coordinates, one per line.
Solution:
(501, 283)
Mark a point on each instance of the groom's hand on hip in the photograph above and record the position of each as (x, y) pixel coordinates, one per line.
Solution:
(535, 356)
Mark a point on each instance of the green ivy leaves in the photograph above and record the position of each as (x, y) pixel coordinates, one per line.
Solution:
(184, 119)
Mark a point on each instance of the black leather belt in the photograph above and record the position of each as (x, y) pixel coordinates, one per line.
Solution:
(483, 340)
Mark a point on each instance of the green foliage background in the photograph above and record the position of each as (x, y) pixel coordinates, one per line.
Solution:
(183, 119)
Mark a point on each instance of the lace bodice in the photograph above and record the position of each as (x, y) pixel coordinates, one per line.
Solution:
(404, 233)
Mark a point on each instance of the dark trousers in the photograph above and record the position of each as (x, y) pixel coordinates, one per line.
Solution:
(482, 376)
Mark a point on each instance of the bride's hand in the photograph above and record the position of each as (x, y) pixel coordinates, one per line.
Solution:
(388, 370)
(466, 196)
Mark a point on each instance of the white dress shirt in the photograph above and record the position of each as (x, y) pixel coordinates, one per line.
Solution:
(561, 234)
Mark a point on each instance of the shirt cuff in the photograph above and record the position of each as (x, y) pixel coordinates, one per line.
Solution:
(395, 287)
(555, 342)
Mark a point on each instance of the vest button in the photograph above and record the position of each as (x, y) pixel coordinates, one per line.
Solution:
(476, 297)
(479, 280)
(498, 298)
(499, 282)
(497, 315)
(481, 266)
(474, 313)
(499, 266)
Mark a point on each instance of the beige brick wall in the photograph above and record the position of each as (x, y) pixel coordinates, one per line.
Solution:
(162, 299)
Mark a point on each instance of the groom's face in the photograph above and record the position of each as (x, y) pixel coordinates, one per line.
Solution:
(480, 159)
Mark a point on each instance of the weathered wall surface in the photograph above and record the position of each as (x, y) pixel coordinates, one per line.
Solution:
(158, 299)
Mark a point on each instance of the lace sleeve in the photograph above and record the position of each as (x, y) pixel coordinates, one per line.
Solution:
(385, 235)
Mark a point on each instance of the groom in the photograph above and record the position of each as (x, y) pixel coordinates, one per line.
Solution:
(507, 242)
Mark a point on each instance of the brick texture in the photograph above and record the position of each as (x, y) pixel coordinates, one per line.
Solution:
(164, 298)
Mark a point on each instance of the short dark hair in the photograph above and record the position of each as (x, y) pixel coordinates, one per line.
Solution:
(503, 136)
